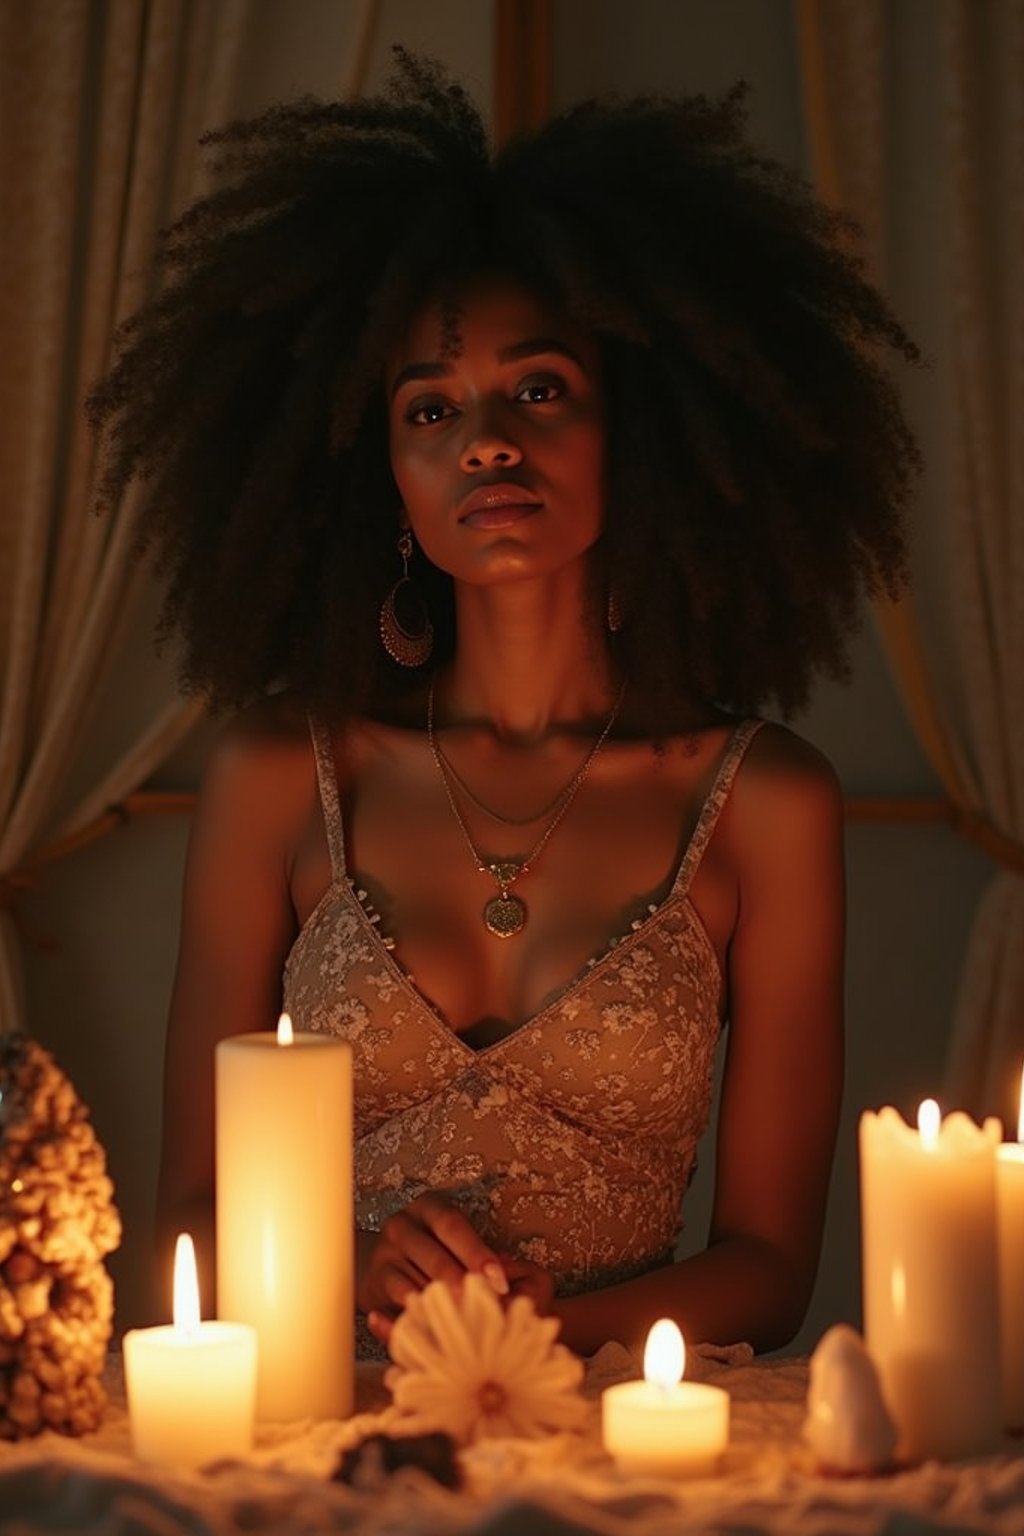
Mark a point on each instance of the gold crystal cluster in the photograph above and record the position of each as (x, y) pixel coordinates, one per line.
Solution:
(57, 1224)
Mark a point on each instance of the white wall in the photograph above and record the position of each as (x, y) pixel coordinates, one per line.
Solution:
(105, 921)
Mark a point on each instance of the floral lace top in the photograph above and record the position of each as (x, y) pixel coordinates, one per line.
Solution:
(569, 1141)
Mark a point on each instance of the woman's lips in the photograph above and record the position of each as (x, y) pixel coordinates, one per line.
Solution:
(498, 506)
(500, 516)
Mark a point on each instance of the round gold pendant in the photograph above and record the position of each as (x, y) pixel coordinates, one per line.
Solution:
(505, 916)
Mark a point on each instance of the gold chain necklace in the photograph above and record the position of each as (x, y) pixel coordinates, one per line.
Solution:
(507, 821)
(505, 914)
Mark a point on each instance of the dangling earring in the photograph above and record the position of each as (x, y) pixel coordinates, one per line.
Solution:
(614, 612)
(405, 628)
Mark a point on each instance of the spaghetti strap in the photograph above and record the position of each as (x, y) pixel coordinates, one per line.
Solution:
(326, 775)
(717, 795)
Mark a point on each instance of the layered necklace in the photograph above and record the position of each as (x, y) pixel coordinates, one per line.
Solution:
(505, 914)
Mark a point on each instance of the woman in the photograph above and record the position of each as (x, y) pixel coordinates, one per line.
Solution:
(501, 493)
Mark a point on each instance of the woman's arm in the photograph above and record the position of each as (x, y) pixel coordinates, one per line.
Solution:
(782, 831)
(237, 925)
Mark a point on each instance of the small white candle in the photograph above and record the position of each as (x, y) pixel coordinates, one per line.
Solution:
(191, 1387)
(662, 1425)
(928, 1226)
(1010, 1202)
(284, 1214)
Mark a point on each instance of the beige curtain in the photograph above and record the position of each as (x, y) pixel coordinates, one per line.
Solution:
(915, 117)
(101, 105)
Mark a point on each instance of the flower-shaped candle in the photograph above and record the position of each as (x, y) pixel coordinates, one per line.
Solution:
(468, 1366)
(663, 1425)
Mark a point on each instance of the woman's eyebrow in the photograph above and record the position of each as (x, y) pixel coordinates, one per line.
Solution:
(420, 371)
(532, 348)
(511, 354)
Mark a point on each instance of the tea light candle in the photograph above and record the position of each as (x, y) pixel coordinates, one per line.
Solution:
(285, 1261)
(931, 1298)
(662, 1425)
(191, 1387)
(1010, 1207)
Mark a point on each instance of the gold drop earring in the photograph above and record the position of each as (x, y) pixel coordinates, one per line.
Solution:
(405, 628)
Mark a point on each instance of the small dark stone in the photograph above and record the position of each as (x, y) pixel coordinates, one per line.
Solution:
(373, 1460)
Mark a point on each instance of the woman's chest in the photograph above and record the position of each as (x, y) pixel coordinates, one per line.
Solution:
(583, 884)
(627, 1046)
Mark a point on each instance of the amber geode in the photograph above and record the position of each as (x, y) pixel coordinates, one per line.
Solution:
(57, 1224)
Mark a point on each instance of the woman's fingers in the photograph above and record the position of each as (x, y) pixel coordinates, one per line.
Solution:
(528, 1279)
(459, 1239)
(419, 1246)
(427, 1240)
(495, 1276)
(380, 1325)
(397, 1284)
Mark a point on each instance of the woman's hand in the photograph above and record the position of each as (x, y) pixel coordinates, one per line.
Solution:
(432, 1240)
(528, 1279)
(429, 1239)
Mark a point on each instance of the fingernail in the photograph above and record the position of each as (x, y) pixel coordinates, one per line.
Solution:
(495, 1276)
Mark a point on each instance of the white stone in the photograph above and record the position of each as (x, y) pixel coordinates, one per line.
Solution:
(848, 1426)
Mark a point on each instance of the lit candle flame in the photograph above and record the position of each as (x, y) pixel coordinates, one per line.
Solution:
(1020, 1112)
(285, 1033)
(664, 1354)
(186, 1288)
(929, 1118)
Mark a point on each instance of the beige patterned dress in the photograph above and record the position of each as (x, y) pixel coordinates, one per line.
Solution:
(570, 1141)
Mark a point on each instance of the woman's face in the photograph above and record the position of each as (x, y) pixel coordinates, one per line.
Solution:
(499, 452)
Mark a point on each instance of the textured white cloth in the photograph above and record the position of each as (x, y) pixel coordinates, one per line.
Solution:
(559, 1487)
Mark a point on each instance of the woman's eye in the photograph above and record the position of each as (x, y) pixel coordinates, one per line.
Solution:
(540, 391)
(426, 413)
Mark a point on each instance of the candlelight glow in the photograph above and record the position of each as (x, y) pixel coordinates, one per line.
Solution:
(664, 1354)
(1020, 1112)
(186, 1287)
(285, 1033)
(899, 1292)
(268, 1264)
(929, 1118)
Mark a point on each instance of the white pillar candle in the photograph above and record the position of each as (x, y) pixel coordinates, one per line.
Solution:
(928, 1228)
(664, 1426)
(284, 1214)
(1010, 1204)
(192, 1387)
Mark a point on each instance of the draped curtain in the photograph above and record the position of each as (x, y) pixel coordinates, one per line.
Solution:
(896, 90)
(101, 105)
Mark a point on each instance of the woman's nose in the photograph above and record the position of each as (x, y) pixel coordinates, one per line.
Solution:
(487, 449)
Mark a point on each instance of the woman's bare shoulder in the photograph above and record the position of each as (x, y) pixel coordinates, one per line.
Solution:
(275, 725)
(786, 787)
(263, 756)
(778, 756)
